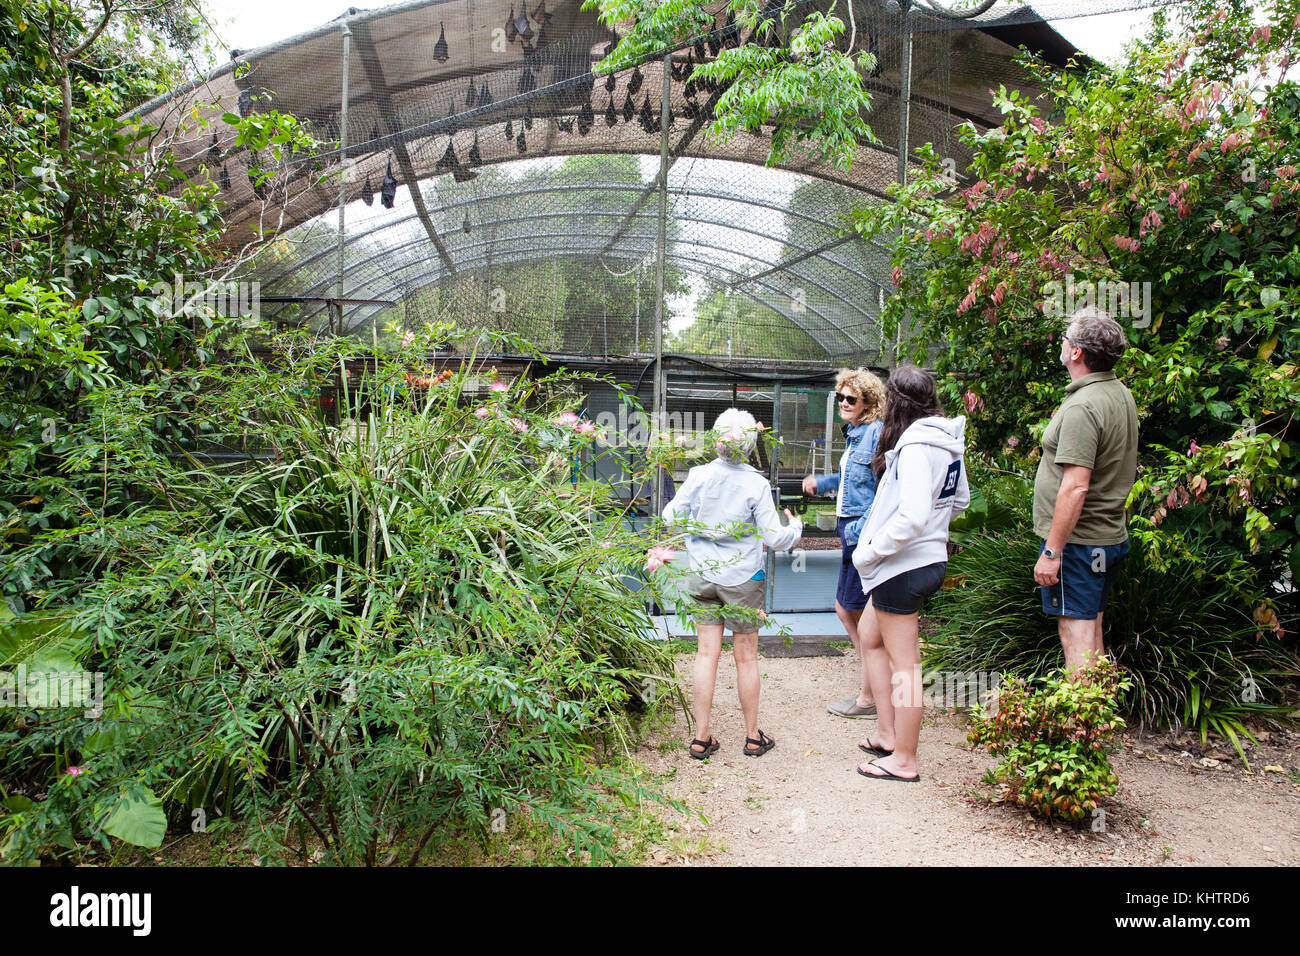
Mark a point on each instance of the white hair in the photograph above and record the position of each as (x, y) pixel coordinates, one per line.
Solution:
(742, 423)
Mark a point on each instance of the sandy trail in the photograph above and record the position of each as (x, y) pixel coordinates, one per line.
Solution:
(804, 804)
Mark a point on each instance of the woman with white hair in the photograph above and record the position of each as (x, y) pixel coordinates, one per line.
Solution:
(725, 508)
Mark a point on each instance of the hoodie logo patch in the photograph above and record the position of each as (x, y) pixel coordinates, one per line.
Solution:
(950, 480)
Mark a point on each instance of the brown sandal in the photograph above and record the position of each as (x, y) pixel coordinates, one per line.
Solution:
(764, 743)
(710, 747)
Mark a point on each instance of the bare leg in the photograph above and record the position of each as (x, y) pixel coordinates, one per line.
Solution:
(745, 649)
(1081, 640)
(875, 661)
(708, 648)
(851, 621)
(900, 634)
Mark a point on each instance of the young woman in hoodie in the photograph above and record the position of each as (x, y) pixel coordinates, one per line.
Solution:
(902, 556)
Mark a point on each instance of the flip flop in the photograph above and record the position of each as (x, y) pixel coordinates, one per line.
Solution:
(710, 747)
(874, 751)
(885, 774)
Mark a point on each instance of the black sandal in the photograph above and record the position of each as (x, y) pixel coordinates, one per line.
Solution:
(710, 747)
(764, 742)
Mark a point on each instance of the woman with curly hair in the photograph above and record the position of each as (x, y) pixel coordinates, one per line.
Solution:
(902, 556)
(860, 397)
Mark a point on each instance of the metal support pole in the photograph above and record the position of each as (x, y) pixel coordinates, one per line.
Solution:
(830, 433)
(904, 122)
(343, 161)
(661, 242)
(773, 471)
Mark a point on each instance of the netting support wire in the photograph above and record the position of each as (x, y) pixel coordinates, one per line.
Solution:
(661, 248)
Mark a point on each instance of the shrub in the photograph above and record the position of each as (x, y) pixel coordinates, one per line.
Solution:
(1054, 740)
(378, 634)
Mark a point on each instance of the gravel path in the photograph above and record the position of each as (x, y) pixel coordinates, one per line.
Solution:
(1178, 803)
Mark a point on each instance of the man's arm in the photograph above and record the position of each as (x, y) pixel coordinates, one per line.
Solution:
(1075, 480)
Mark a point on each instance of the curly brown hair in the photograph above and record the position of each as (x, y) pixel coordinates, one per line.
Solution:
(870, 388)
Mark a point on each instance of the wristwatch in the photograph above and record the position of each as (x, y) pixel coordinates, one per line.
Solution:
(1050, 554)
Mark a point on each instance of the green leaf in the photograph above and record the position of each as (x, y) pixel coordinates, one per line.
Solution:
(138, 819)
(89, 307)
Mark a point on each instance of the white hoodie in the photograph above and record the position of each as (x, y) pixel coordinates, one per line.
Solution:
(923, 487)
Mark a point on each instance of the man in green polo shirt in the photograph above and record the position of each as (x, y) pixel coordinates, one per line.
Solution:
(1084, 477)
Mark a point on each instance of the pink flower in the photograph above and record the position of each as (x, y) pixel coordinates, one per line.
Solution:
(482, 412)
(972, 401)
(584, 428)
(518, 425)
(1193, 449)
(407, 339)
(74, 771)
(1013, 441)
(499, 387)
(566, 418)
(658, 556)
(682, 441)
(897, 276)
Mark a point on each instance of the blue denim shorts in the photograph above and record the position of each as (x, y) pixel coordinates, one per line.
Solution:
(1083, 586)
(848, 592)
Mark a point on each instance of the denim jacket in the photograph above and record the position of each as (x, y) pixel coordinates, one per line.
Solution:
(855, 471)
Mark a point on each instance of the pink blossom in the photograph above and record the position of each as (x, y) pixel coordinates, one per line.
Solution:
(584, 428)
(658, 556)
(972, 401)
(897, 274)
(407, 339)
(566, 418)
(74, 771)
(482, 412)
(1193, 449)
(1013, 441)
(518, 425)
(499, 387)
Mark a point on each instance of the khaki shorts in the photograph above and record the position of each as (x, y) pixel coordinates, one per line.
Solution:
(713, 600)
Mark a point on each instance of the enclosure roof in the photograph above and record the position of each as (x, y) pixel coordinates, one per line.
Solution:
(412, 68)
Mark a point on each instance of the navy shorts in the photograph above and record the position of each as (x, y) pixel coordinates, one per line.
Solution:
(905, 593)
(849, 593)
(1083, 587)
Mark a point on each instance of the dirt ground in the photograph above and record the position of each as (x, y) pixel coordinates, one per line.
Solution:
(1179, 802)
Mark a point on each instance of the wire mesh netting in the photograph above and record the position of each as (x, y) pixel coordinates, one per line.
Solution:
(491, 175)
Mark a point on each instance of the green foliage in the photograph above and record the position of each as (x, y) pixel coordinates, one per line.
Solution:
(387, 629)
(790, 76)
(1055, 739)
(1178, 168)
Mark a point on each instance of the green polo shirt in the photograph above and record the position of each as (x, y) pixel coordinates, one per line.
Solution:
(1097, 427)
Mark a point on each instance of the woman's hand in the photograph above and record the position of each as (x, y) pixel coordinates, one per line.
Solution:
(809, 485)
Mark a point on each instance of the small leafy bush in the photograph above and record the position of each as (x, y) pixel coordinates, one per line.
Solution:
(1055, 739)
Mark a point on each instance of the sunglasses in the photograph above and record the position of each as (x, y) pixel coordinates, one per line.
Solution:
(852, 400)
